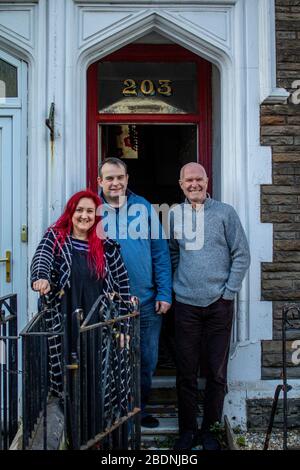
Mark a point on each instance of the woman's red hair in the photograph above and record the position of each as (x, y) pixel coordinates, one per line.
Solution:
(63, 227)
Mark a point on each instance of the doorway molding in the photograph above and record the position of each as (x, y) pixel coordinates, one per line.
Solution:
(138, 25)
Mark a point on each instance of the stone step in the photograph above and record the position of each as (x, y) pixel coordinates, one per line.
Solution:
(163, 406)
(169, 381)
(167, 426)
(164, 381)
(164, 390)
(168, 410)
(163, 410)
(162, 437)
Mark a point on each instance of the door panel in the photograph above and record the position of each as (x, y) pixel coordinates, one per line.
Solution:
(6, 209)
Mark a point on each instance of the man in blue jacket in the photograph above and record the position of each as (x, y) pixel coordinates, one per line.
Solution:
(131, 220)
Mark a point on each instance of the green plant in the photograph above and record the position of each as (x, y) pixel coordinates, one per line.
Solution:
(219, 432)
(241, 441)
(237, 430)
(165, 443)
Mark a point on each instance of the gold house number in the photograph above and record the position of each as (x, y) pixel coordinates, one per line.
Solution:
(146, 87)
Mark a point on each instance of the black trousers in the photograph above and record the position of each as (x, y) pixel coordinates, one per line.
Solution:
(202, 329)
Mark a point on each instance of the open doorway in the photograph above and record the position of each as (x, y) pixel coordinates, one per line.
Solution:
(154, 154)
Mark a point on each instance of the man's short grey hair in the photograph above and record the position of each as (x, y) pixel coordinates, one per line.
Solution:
(112, 161)
(188, 164)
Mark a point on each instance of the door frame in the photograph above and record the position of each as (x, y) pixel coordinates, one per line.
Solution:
(153, 53)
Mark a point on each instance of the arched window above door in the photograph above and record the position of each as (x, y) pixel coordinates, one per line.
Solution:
(10, 81)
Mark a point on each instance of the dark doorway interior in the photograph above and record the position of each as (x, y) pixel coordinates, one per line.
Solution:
(158, 153)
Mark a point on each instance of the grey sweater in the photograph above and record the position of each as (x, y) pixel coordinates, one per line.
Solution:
(217, 269)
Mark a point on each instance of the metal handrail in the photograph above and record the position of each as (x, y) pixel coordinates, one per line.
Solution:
(8, 370)
(88, 419)
(94, 420)
(284, 387)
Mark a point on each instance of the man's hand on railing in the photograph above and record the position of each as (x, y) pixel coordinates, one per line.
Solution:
(42, 286)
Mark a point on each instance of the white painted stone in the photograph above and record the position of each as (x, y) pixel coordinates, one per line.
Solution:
(214, 23)
(16, 24)
(97, 22)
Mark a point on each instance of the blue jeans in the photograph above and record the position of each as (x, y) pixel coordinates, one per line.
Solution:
(150, 325)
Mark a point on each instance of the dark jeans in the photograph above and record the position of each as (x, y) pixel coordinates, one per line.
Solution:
(202, 329)
(150, 326)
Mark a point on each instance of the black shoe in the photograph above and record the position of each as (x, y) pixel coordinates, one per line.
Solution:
(209, 441)
(149, 422)
(187, 440)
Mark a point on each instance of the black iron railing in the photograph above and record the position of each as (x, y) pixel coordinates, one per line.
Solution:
(103, 380)
(8, 370)
(101, 369)
(290, 319)
(35, 384)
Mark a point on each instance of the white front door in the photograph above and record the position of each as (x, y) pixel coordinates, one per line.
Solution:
(13, 180)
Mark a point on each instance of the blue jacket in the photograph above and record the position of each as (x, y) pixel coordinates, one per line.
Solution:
(147, 259)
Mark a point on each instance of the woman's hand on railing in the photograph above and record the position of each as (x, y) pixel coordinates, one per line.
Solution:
(42, 286)
(124, 340)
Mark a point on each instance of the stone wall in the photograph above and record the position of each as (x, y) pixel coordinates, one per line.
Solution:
(280, 201)
(259, 412)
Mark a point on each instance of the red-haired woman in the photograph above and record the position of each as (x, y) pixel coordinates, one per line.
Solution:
(72, 267)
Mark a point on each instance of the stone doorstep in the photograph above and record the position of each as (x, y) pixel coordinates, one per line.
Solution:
(165, 381)
(163, 410)
(162, 437)
(167, 426)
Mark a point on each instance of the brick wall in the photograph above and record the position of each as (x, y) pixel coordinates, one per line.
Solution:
(280, 201)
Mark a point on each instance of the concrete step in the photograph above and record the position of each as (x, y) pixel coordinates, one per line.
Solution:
(167, 426)
(169, 381)
(164, 381)
(163, 406)
(164, 436)
(164, 390)
(168, 410)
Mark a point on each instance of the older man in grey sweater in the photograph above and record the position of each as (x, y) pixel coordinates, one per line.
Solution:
(208, 272)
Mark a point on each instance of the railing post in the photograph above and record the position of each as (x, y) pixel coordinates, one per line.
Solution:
(285, 311)
(13, 367)
(72, 371)
(8, 370)
(136, 432)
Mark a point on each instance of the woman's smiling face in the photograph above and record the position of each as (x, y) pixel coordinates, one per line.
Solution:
(84, 217)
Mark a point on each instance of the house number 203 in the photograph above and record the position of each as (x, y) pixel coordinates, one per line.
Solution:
(146, 87)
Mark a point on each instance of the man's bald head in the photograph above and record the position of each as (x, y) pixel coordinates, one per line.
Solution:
(193, 182)
(192, 165)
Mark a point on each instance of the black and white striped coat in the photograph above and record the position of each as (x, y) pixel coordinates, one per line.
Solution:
(53, 262)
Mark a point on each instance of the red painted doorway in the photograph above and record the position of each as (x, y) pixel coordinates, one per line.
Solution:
(167, 133)
(129, 101)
